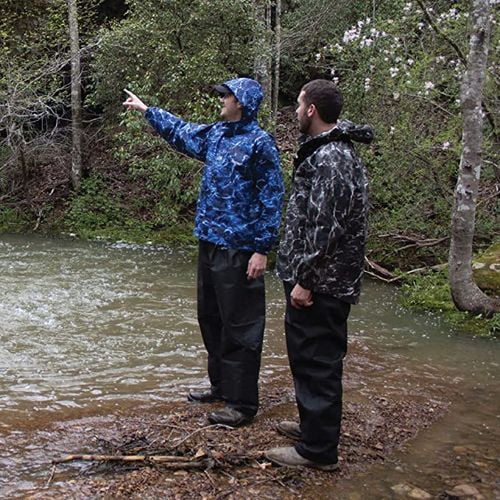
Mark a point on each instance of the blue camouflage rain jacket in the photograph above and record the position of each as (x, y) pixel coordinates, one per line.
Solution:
(241, 192)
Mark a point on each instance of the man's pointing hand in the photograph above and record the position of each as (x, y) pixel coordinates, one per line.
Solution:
(133, 102)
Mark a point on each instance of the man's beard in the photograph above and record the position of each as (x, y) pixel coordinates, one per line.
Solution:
(305, 125)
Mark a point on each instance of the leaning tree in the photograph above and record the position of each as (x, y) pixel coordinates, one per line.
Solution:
(466, 294)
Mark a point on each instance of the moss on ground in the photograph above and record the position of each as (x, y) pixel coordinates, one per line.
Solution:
(431, 292)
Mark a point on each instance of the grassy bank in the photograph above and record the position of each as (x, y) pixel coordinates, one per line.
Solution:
(431, 292)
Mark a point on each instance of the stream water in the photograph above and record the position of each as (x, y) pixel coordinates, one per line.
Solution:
(87, 329)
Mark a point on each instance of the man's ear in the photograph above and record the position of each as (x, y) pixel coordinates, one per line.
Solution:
(311, 110)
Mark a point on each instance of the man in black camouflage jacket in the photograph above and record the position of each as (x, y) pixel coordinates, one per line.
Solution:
(320, 261)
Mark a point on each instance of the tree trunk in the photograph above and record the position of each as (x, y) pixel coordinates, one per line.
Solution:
(466, 294)
(76, 97)
(263, 57)
(277, 61)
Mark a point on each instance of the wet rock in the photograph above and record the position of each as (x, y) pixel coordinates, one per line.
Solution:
(418, 494)
(402, 489)
(463, 491)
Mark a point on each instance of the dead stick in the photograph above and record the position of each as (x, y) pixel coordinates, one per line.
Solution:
(123, 458)
(51, 476)
(199, 430)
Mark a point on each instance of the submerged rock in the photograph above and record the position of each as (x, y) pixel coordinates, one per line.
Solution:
(464, 491)
(418, 494)
(402, 489)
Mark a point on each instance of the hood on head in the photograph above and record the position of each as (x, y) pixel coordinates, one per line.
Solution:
(249, 94)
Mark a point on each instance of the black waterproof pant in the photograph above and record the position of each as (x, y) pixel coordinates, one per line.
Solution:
(231, 315)
(316, 339)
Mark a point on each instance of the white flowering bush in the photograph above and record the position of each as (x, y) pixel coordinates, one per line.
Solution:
(401, 73)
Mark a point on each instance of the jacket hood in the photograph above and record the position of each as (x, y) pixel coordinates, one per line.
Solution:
(249, 94)
(346, 130)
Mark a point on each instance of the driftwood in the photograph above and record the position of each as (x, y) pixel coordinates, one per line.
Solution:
(166, 461)
(385, 275)
(414, 242)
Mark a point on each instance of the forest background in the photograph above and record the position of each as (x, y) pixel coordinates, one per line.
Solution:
(398, 63)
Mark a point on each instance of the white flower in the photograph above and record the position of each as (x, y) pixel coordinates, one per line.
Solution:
(428, 85)
(350, 35)
(392, 130)
(446, 145)
(366, 42)
(407, 7)
(336, 80)
(410, 62)
(367, 84)
(317, 56)
(393, 71)
(440, 59)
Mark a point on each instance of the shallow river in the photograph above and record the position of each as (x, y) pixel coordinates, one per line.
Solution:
(95, 328)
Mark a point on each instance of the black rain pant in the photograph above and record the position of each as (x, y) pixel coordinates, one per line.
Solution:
(231, 315)
(316, 339)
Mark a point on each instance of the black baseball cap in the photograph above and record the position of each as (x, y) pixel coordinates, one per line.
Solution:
(222, 89)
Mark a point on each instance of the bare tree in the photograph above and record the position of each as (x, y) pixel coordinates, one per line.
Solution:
(277, 61)
(76, 98)
(466, 294)
(263, 55)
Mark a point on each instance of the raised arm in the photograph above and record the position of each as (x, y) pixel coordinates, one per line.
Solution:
(185, 137)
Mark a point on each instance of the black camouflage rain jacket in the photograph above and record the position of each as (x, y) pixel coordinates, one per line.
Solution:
(325, 231)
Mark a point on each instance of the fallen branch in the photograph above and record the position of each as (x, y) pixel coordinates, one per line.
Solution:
(51, 476)
(171, 461)
(377, 267)
(424, 243)
(389, 277)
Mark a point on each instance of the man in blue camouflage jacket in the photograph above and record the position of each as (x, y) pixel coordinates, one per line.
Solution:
(320, 261)
(237, 220)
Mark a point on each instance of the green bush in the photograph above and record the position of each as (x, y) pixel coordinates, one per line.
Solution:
(13, 220)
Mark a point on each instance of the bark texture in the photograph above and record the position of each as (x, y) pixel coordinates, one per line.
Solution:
(76, 98)
(277, 61)
(467, 296)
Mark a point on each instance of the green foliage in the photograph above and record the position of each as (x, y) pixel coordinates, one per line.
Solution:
(13, 220)
(94, 209)
(99, 212)
(169, 51)
(431, 292)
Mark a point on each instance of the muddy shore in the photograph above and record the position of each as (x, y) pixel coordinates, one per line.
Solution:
(235, 467)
